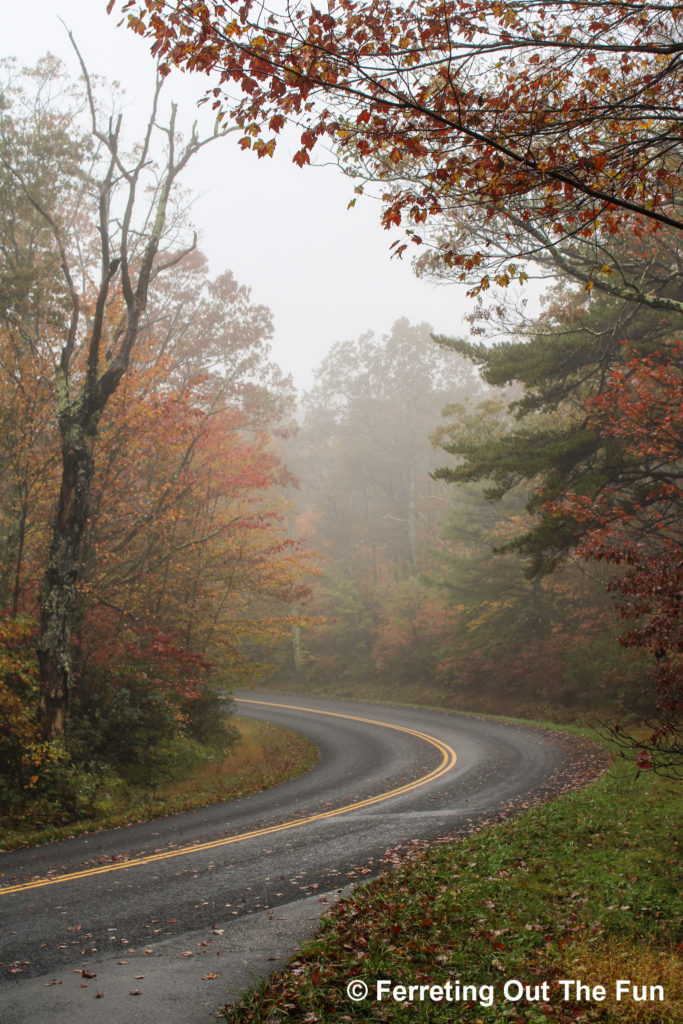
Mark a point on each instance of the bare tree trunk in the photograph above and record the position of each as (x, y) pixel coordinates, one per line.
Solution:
(21, 541)
(297, 644)
(412, 517)
(58, 610)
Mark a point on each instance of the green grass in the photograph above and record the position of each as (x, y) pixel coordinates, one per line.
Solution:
(263, 756)
(424, 693)
(582, 888)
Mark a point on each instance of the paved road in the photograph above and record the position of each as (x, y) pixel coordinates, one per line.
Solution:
(186, 910)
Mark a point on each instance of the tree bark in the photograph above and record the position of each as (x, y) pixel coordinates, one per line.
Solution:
(58, 607)
(81, 399)
(21, 541)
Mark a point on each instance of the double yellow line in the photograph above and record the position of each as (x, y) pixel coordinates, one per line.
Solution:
(448, 758)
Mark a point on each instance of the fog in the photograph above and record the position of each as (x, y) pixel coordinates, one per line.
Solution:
(410, 595)
(324, 270)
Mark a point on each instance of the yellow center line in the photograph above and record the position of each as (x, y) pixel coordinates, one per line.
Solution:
(448, 759)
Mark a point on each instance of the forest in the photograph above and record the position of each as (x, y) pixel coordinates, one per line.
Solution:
(469, 557)
(487, 521)
(146, 562)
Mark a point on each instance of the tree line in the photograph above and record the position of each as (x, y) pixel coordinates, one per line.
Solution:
(503, 138)
(149, 547)
(145, 559)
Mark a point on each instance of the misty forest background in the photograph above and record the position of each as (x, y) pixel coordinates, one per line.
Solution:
(412, 527)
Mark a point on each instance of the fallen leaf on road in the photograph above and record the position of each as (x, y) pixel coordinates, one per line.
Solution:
(210, 977)
(53, 981)
(135, 992)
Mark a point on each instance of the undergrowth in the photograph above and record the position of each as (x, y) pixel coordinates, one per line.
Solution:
(263, 756)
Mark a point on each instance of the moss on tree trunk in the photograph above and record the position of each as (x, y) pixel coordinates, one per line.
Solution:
(58, 599)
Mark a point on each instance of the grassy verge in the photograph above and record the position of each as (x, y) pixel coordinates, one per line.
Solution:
(426, 693)
(579, 889)
(263, 756)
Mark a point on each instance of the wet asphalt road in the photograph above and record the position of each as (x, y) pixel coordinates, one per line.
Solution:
(188, 929)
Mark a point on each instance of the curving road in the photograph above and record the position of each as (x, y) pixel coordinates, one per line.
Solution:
(183, 911)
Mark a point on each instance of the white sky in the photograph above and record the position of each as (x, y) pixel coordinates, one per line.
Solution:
(323, 270)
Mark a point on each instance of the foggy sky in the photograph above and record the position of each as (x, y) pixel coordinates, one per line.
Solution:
(324, 271)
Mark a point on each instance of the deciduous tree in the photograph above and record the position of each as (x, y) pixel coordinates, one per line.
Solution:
(186, 533)
(635, 524)
(108, 266)
(501, 133)
(364, 454)
(563, 115)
